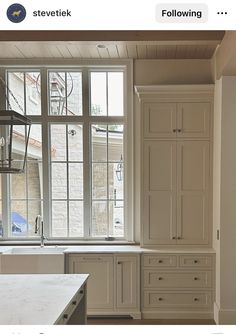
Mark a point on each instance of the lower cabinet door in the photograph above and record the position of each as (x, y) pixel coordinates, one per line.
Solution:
(127, 276)
(100, 285)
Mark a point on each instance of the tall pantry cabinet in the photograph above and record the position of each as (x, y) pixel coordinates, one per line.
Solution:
(176, 159)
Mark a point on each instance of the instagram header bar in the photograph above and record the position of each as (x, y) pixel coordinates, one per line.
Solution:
(117, 15)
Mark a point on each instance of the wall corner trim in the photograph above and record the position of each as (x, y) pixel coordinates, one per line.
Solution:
(224, 316)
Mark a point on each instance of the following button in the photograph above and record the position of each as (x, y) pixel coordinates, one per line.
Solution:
(181, 13)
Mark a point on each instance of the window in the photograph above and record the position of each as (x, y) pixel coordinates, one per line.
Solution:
(76, 172)
(67, 203)
(26, 190)
(107, 180)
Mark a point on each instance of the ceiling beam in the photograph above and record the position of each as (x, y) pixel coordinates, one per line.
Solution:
(115, 35)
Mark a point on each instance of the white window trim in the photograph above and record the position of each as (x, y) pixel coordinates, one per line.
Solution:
(128, 139)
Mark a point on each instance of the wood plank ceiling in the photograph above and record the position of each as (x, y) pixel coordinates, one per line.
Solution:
(180, 47)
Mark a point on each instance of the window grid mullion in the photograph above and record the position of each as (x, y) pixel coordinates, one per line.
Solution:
(108, 211)
(86, 154)
(107, 138)
(46, 162)
(67, 182)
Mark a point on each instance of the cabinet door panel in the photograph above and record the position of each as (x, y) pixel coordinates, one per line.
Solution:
(126, 280)
(192, 189)
(159, 219)
(101, 279)
(193, 119)
(160, 119)
(159, 213)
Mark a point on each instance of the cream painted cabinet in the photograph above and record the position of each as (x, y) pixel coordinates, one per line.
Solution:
(101, 283)
(113, 284)
(160, 119)
(178, 285)
(127, 282)
(176, 186)
(193, 119)
(193, 174)
(159, 175)
(176, 129)
(173, 120)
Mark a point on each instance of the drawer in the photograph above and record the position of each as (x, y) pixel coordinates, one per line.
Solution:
(177, 279)
(177, 299)
(67, 313)
(159, 260)
(195, 261)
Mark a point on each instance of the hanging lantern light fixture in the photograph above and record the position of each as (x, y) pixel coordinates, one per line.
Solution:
(60, 89)
(119, 170)
(14, 136)
(57, 99)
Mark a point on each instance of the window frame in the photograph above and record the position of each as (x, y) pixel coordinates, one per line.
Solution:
(86, 120)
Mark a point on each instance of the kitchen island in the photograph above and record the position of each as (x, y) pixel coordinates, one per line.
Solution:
(43, 299)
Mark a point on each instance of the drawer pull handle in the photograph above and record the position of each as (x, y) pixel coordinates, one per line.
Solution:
(74, 302)
(196, 299)
(195, 278)
(160, 299)
(160, 278)
(160, 261)
(195, 261)
(65, 316)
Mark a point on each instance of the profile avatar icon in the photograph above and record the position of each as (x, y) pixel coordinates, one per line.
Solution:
(16, 13)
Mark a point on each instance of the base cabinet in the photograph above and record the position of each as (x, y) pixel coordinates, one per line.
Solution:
(113, 284)
(101, 283)
(177, 286)
(126, 282)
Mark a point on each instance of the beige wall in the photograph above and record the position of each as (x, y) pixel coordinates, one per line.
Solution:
(216, 180)
(176, 71)
(225, 55)
(225, 198)
(228, 194)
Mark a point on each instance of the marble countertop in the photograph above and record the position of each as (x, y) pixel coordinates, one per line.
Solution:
(100, 249)
(132, 249)
(36, 299)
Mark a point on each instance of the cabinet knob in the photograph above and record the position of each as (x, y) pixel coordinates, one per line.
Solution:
(81, 292)
(119, 262)
(174, 130)
(74, 302)
(195, 278)
(160, 261)
(160, 299)
(174, 238)
(65, 316)
(195, 261)
(160, 278)
(179, 238)
(196, 299)
(179, 130)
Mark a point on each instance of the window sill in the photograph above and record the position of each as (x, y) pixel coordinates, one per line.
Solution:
(66, 243)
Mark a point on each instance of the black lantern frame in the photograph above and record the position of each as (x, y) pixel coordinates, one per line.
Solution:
(9, 119)
(119, 170)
